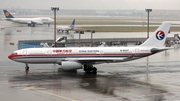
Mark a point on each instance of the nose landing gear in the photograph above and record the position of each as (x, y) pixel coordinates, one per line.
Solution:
(27, 69)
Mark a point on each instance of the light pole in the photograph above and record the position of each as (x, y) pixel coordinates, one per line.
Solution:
(80, 32)
(148, 10)
(92, 31)
(54, 9)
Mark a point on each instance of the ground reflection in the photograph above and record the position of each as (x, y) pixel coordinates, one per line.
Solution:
(117, 86)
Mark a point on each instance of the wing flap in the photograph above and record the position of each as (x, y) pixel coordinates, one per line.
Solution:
(98, 60)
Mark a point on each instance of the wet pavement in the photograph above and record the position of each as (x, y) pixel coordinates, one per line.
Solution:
(139, 80)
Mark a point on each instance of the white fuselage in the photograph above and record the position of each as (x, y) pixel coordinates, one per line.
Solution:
(98, 54)
(37, 21)
(64, 28)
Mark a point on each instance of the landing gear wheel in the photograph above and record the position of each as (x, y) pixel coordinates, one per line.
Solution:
(26, 68)
(32, 25)
(90, 69)
(94, 70)
(85, 68)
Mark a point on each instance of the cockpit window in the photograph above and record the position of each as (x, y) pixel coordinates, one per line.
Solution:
(14, 53)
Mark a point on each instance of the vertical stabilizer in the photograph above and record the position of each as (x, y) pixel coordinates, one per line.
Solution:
(7, 14)
(72, 25)
(158, 38)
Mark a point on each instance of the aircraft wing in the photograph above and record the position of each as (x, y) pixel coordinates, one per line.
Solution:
(99, 60)
(93, 60)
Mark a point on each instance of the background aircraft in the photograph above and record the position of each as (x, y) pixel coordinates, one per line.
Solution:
(66, 28)
(28, 21)
(72, 58)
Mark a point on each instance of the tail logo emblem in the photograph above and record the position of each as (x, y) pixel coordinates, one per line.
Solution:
(7, 13)
(160, 35)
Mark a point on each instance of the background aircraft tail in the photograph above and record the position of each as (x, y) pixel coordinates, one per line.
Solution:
(7, 14)
(72, 25)
(158, 38)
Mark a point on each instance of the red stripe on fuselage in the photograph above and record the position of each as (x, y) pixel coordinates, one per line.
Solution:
(83, 55)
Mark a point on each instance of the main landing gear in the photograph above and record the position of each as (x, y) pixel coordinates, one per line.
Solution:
(32, 25)
(90, 69)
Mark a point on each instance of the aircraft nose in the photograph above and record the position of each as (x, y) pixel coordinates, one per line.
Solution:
(10, 56)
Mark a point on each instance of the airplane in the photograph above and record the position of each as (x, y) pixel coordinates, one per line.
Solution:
(29, 21)
(73, 58)
(66, 28)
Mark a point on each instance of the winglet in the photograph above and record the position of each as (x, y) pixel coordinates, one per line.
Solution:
(158, 38)
(7, 14)
(73, 23)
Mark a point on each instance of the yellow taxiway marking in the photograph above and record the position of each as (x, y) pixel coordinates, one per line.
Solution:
(63, 97)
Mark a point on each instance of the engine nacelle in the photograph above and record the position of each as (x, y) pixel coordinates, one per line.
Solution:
(70, 65)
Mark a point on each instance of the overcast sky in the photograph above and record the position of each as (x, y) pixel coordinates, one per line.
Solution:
(92, 4)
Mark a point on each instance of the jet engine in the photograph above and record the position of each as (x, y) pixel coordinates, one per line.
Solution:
(70, 65)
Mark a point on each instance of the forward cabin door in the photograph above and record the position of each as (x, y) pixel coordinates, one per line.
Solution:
(136, 52)
(50, 57)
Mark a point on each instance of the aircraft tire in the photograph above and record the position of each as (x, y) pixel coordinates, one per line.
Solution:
(94, 70)
(89, 70)
(94, 73)
(26, 68)
(85, 68)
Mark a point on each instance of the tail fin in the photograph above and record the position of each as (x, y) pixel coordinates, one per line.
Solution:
(7, 14)
(158, 38)
(72, 25)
